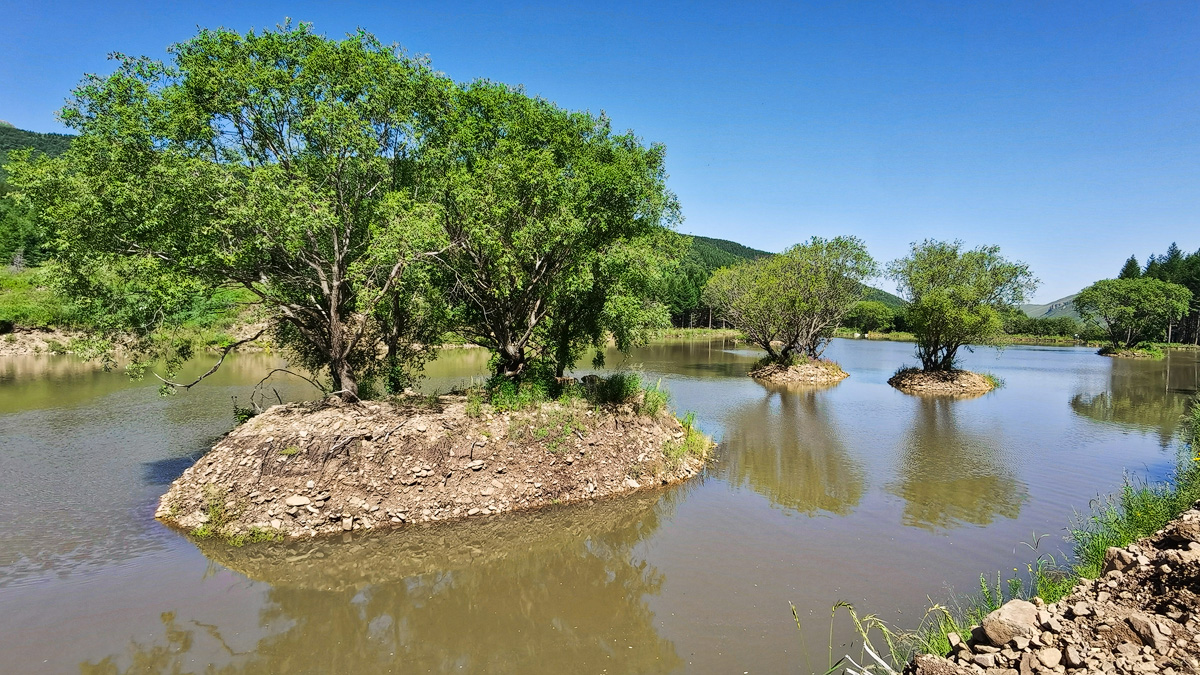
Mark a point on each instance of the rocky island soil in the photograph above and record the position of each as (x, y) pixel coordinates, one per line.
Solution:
(1141, 616)
(810, 372)
(309, 469)
(941, 383)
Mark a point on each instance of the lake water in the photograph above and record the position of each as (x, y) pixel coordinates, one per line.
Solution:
(853, 493)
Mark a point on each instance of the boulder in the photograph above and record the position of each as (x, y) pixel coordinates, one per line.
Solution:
(1016, 618)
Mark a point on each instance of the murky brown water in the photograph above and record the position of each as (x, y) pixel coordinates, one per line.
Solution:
(855, 493)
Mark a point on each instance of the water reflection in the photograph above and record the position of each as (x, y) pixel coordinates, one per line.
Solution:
(1144, 394)
(948, 474)
(556, 591)
(787, 446)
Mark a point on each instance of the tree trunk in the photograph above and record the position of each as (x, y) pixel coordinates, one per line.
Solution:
(344, 381)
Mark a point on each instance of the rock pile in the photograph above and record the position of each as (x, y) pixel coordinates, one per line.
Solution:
(1140, 616)
(331, 468)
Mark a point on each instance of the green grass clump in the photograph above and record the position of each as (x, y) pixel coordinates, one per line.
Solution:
(505, 395)
(692, 444)
(995, 380)
(254, 535)
(474, 403)
(289, 451)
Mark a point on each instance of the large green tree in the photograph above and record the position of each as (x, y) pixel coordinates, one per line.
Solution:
(561, 226)
(956, 297)
(280, 162)
(797, 298)
(1132, 310)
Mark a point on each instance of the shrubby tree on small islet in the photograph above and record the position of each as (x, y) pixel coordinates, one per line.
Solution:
(790, 304)
(957, 297)
(1132, 310)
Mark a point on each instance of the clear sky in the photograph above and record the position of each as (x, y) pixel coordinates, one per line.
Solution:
(1066, 133)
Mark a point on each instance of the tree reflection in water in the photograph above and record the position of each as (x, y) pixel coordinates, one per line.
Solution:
(1144, 394)
(555, 591)
(786, 446)
(949, 475)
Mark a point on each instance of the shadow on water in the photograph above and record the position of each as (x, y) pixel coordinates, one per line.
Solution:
(949, 475)
(787, 447)
(163, 471)
(559, 590)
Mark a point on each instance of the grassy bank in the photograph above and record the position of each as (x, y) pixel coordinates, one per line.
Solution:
(1138, 510)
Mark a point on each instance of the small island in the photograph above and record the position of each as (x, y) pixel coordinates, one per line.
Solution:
(942, 382)
(956, 298)
(331, 466)
(813, 371)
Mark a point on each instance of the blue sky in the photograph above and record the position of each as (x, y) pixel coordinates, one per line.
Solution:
(1066, 133)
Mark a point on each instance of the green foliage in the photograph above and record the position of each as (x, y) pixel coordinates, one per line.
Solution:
(27, 300)
(280, 162)
(1131, 269)
(562, 227)
(956, 297)
(1017, 322)
(797, 298)
(616, 388)
(1176, 267)
(682, 289)
(242, 414)
(289, 451)
(1138, 510)
(995, 380)
(654, 400)
(474, 408)
(871, 316)
(506, 394)
(1130, 311)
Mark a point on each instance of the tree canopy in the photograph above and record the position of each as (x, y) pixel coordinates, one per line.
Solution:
(364, 201)
(956, 297)
(561, 227)
(278, 162)
(797, 298)
(1130, 311)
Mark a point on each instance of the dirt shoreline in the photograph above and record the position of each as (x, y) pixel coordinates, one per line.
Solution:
(961, 383)
(327, 468)
(1141, 616)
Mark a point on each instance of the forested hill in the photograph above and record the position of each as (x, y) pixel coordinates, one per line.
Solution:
(714, 254)
(708, 255)
(12, 138)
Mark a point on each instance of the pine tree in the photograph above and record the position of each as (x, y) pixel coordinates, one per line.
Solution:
(1131, 270)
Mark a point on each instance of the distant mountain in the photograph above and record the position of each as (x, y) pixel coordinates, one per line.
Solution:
(1060, 307)
(12, 138)
(878, 295)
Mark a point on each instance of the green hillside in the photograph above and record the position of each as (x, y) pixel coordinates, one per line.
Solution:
(12, 138)
(708, 255)
(1053, 310)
